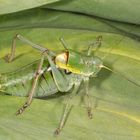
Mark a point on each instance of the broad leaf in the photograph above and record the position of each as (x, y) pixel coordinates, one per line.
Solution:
(9, 6)
(115, 100)
(126, 11)
(115, 95)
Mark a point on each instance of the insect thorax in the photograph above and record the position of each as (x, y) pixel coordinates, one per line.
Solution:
(79, 64)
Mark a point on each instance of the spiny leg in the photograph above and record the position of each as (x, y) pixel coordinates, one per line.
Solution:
(66, 113)
(67, 109)
(32, 91)
(87, 98)
(10, 57)
(96, 44)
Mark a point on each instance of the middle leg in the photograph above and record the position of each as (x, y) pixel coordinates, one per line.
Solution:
(67, 109)
(87, 98)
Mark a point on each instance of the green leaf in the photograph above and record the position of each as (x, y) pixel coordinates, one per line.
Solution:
(115, 100)
(44, 18)
(9, 6)
(126, 11)
(115, 95)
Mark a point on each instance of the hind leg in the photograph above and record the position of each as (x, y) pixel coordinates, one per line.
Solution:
(33, 89)
(9, 57)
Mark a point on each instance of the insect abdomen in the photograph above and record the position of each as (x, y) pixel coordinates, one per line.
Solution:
(19, 84)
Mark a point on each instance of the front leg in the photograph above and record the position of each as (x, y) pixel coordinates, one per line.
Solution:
(95, 44)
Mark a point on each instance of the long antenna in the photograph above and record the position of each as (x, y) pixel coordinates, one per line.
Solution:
(118, 42)
(105, 67)
(112, 48)
(63, 43)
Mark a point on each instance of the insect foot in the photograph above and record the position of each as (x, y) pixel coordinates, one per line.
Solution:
(21, 110)
(89, 113)
(7, 58)
(57, 132)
